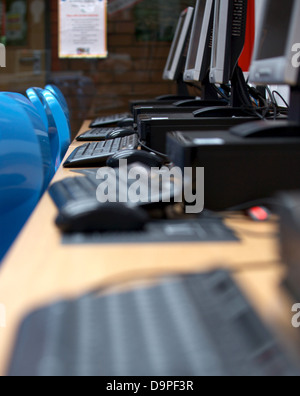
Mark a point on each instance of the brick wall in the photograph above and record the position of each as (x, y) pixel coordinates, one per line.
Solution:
(133, 69)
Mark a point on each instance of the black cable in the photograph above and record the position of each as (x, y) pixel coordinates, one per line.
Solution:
(163, 156)
(222, 94)
(281, 97)
(273, 103)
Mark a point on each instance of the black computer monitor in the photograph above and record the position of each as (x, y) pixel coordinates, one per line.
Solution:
(274, 59)
(199, 54)
(230, 21)
(177, 56)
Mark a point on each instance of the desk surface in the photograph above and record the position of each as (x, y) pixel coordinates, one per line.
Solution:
(39, 269)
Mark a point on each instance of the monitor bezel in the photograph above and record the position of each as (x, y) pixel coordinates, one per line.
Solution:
(219, 68)
(277, 70)
(198, 73)
(172, 71)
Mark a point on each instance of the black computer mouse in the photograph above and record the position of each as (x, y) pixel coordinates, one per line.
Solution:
(120, 133)
(126, 122)
(149, 159)
(90, 216)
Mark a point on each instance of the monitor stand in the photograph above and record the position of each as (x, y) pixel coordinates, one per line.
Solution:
(209, 97)
(182, 87)
(208, 90)
(182, 92)
(240, 102)
(239, 90)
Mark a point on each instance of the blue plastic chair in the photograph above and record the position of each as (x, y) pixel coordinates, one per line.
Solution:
(36, 100)
(61, 121)
(21, 169)
(42, 133)
(36, 97)
(62, 100)
(58, 125)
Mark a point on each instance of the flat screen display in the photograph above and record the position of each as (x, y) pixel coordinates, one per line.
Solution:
(196, 34)
(176, 41)
(274, 35)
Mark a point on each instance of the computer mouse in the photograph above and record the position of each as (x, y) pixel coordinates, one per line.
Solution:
(259, 213)
(126, 122)
(150, 159)
(120, 133)
(89, 216)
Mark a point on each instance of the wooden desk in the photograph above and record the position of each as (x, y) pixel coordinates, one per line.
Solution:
(39, 269)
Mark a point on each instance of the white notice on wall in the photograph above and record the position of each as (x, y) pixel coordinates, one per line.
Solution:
(82, 28)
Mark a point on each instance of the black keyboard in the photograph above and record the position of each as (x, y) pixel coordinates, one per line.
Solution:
(109, 120)
(96, 154)
(95, 134)
(76, 189)
(194, 325)
(73, 189)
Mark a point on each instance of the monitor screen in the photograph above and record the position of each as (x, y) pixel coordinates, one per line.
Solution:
(198, 60)
(274, 35)
(175, 62)
(230, 21)
(217, 22)
(279, 31)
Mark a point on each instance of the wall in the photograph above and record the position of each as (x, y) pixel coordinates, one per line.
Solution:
(133, 69)
(26, 61)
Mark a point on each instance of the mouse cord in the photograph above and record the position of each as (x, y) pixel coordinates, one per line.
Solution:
(163, 156)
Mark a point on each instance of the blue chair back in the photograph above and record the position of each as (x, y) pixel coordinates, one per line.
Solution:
(36, 100)
(42, 134)
(21, 169)
(61, 98)
(61, 122)
(36, 96)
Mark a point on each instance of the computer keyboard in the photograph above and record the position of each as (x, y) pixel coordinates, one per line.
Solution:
(96, 154)
(95, 134)
(109, 120)
(75, 189)
(193, 325)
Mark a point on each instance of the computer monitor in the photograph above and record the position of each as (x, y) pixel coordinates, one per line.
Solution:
(273, 61)
(177, 56)
(199, 54)
(228, 38)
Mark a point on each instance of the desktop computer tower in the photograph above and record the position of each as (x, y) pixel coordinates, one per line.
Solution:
(237, 170)
(153, 129)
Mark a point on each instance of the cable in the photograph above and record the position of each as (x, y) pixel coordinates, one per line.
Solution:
(163, 156)
(221, 93)
(281, 97)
